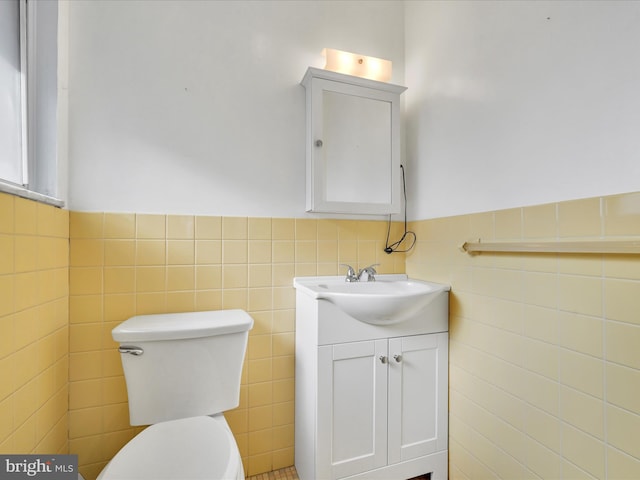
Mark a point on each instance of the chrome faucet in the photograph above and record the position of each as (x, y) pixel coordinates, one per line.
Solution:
(370, 273)
(364, 274)
(351, 273)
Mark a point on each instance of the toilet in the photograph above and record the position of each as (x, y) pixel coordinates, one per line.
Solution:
(182, 371)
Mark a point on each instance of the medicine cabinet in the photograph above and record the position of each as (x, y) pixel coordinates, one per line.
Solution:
(353, 144)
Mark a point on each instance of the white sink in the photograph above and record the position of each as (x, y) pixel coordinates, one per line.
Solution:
(390, 299)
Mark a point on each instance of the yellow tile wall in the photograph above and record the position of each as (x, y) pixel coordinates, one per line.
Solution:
(545, 370)
(545, 348)
(127, 264)
(34, 262)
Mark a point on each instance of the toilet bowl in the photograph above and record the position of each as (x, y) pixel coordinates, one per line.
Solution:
(182, 371)
(196, 448)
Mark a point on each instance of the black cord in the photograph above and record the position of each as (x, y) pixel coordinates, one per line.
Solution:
(394, 246)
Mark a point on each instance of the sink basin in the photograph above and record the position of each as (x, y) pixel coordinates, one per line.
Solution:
(389, 300)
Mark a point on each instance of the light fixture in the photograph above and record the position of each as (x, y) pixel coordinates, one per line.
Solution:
(358, 65)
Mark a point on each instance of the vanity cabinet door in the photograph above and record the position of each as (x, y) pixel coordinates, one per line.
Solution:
(418, 384)
(352, 408)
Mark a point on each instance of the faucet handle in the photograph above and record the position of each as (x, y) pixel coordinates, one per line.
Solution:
(370, 271)
(349, 268)
(351, 273)
(370, 268)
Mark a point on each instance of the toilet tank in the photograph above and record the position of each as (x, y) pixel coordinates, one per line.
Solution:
(180, 365)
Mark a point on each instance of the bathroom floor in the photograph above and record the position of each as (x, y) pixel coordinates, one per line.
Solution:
(290, 473)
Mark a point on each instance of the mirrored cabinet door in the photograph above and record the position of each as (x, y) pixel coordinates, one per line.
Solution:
(357, 138)
(353, 144)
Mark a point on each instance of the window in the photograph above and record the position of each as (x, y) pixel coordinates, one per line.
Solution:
(12, 85)
(28, 98)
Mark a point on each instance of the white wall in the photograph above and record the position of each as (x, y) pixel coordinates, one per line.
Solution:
(196, 107)
(520, 103)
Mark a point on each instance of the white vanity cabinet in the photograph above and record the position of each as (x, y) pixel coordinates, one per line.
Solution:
(352, 144)
(371, 401)
(378, 402)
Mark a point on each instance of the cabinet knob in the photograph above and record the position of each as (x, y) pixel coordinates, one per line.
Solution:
(319, 143)
(383, 359)
(397, 358)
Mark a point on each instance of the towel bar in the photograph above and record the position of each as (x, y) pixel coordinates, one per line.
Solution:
(585, 246)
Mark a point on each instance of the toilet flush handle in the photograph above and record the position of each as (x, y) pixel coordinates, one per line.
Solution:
(137, 351)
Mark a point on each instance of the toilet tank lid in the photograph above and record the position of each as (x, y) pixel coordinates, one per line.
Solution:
(177, 326)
